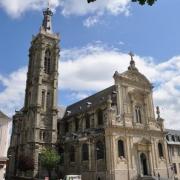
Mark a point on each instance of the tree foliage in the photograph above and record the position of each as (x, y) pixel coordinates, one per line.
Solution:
(142, 2)
(49, 159)
(26, 163)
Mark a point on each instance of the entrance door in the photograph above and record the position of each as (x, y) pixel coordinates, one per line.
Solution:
(144, 168)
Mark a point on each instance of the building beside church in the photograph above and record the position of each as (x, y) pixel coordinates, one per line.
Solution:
(173, 142)
(111, 135)
(4, 142)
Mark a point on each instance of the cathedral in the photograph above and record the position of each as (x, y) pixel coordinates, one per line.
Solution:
(111, 135)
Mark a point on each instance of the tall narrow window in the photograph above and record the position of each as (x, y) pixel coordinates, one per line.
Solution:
(61, 153)
(29, 98)
(121, 148)
(44, 136)
(47, 62)
(66, 127)
(72, 154)
(76, 124)
(138, 114)
(58, 128)
(43, 98)
(100, 117)
(160, 149)
(172, 150)
(87, 121)
(175, 168)
(48, 102)
(85, 152)
(99, 150)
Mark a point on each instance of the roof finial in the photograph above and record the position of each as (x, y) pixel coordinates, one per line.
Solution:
(49, 4)
(132, 62)
(158, 112)
(132, 55)
(47, 24)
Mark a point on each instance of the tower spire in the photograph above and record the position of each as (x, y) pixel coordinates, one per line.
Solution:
(47, 21)
(132, 62)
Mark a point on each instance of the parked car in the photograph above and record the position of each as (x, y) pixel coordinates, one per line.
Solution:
(72, 177)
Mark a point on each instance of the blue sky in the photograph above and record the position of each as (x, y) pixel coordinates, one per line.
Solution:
(94, 35)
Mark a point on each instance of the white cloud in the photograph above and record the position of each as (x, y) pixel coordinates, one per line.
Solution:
(89, 69)
(12, 96)
(81, 7)
(68, 7)
(16, 7)
(91, 21)
(92, 68)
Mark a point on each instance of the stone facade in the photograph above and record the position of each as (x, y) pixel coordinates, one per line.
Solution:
(110, 135)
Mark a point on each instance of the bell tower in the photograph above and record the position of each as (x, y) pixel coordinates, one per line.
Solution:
(42, 78)
(42, 86)
(35, 125)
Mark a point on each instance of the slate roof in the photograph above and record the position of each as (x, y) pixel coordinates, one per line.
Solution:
(173, 132)
(95, 100)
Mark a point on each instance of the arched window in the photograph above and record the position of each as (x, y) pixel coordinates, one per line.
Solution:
(100, 117)
(173, 137)
(61, 153)
(138, 114)
(47, 61)
(44, 135)
(72, 154)
(43, 98)
(160, 150)
(121, 148)
(87, 121)
(85, 152)
(99, 150)
(167, 137)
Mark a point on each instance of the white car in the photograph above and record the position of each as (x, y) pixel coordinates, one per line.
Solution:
(72, 177)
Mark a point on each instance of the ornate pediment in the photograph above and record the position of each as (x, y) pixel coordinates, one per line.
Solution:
(143, 145)
(135, 76)
(144, 141)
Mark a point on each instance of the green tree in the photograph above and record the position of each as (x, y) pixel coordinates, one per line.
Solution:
(142, 2)
(49, 160)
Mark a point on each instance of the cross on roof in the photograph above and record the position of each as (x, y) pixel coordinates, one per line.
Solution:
(131, 55)
(158, 111)
(49, 3)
